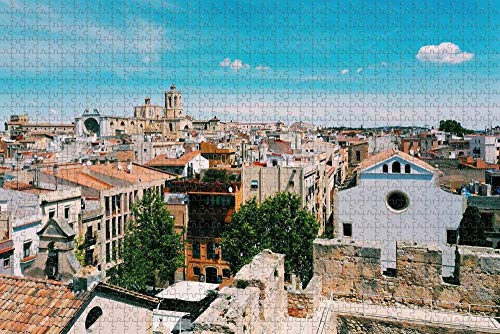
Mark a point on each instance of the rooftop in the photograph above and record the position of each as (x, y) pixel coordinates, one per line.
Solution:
(31, 305)
(137, 174)
(77, 175)
(162, 160)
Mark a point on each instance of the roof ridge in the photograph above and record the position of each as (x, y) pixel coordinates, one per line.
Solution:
(32, 279)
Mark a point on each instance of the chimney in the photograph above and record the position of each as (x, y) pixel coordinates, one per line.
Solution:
(129, 166)
(86, 279)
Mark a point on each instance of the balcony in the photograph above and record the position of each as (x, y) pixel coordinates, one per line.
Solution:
(6, 243)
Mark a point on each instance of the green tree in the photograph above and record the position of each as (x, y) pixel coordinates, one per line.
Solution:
(453, 127)
(472, 228)
(279, 224)
(221, 175)
(79, 250)
(152, 251)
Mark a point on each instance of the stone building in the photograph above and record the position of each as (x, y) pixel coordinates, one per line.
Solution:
(148, 119)
(21, 125)
(29, 210)
(397, 198)
(357, 152)
(311, 175)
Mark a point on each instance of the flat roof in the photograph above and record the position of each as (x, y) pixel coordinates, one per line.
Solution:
(187, 291)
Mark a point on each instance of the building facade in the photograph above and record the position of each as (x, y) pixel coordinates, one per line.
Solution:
(211, 206)
(397, 198)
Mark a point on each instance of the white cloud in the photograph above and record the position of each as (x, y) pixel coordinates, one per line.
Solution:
(53, 112)
(235, 64)
(359, 70)
(443, 53)
(344, 71)
(262, 68)
(225, 63)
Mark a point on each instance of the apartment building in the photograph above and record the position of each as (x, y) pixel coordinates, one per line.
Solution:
(109, 191)
(210, 207)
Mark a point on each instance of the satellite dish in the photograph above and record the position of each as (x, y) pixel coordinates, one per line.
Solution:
(230, 189)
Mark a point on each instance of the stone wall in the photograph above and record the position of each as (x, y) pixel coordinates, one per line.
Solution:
(254, 303)
(361, 325)
(306, 302)
(353, 271)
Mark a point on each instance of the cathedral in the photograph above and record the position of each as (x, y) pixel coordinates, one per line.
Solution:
(148, 119)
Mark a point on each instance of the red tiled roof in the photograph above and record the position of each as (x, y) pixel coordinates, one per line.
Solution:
(76, 174)
(162, 160)
(36, 306)
(139, 172)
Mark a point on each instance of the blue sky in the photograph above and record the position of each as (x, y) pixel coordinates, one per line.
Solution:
(331, 63)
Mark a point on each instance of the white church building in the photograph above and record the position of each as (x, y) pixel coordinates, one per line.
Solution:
(397, 198)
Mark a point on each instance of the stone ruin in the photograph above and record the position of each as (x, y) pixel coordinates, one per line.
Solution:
(352, 271)
(254, 303)
(257, 301)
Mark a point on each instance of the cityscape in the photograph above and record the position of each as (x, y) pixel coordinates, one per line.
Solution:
(258, 190)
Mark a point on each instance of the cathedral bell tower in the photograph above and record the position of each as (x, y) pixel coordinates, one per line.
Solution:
(173, 102)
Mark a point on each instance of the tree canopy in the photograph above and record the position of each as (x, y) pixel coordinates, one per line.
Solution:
(279, 224)
(472, 228)
(152, 250)
(453, 127)
(221, 175)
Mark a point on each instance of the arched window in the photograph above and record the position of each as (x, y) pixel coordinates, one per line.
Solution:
(358, 155)
(407, 169)
(132, 123)
(385, 168)
(175, 101)
(111, 123)
(92, 316)
(170, 102)
(52, 263)
(396, 167)
(122, 123)
(170, 127)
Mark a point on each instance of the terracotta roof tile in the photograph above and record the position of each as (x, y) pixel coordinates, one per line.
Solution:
(30, 305)
(76, 174)
(162, 160)
(138, 173)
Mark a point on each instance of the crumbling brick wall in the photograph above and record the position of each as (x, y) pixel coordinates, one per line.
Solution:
(306, 302)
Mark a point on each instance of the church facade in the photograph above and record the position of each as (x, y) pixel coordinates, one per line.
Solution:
(148, 119)
(397, 198)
